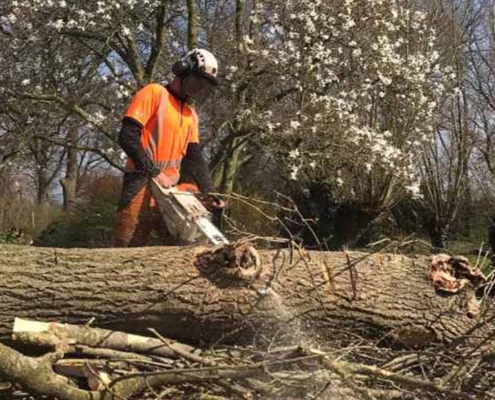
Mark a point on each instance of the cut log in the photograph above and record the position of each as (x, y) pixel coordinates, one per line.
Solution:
(172, 290)
(53, 335)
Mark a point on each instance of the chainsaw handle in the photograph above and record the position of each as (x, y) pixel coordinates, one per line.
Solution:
(218, 202)
(164, 190)
(211, 201)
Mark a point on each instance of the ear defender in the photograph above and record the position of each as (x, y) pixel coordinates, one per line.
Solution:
(197, 61)
(181, 68)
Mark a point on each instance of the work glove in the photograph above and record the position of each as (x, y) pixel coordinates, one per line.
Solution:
(212, 202)
(164, 181)
(215, 205)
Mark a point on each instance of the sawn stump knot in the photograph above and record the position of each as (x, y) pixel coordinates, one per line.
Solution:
(238, 260)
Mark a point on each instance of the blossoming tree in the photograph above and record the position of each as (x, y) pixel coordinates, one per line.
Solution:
(347, 94)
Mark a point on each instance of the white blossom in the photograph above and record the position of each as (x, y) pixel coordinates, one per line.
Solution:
(295, 124)
(126, 31)
(414, 189)
(294, 172)
(294, 153)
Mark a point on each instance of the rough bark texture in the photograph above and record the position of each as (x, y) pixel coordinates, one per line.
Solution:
(162, 288)
(37, 374)
(192, 24)
(69, 182)
(54, 334)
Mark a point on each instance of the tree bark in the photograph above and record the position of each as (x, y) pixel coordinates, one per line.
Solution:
(69, 182)
(157, 287)
(239, 29)
(192, 24)
(230, 159)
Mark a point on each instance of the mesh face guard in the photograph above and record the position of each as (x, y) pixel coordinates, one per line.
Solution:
(197, 87)
(213, 80)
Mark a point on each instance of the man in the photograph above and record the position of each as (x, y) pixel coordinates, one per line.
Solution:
(159, 132)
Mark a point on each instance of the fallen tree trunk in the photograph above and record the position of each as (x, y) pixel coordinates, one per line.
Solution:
(168, 289)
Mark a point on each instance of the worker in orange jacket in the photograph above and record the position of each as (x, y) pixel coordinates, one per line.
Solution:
(159, 133)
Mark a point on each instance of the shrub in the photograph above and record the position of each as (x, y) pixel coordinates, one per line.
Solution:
(91, 222)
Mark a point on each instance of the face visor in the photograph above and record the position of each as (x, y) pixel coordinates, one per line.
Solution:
(198, 87)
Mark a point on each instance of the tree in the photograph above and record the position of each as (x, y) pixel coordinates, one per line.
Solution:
(93, 57)
(445, 167)
(480, 82)
(344, 95)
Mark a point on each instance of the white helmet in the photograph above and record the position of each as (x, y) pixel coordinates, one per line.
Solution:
(199, 61)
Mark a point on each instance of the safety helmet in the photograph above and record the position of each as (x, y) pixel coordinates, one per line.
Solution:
(199, 61)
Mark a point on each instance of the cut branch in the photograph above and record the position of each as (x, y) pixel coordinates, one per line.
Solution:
(55, 335)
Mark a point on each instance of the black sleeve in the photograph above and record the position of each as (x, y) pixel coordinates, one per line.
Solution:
(194, 166)
(130, 141)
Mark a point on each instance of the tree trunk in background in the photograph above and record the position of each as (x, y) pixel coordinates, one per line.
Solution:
(225, 172)
(224, 177)
(438, 237)
(192, 24)
(48, 162)
(381, 296)
(239, 31)
(69, 183)
(42, 190)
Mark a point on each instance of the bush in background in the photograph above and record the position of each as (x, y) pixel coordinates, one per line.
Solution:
(91, 222)
(21, 218)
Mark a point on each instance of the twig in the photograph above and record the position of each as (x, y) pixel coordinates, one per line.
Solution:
(321, 391)
(234, 388)
(105, 384)
(353, 274)
(435, 386)
(229, 371)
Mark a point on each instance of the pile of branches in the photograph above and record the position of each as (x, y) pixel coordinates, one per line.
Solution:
(82, 362)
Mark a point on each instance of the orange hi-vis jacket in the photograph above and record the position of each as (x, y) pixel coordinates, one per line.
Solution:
(169, 125)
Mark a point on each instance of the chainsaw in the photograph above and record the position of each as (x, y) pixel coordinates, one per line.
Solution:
(186, 217)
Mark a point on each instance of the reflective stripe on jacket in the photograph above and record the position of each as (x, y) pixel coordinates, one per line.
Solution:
(169, 125)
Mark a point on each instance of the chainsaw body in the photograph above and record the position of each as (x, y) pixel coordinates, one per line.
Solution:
(186, 218)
